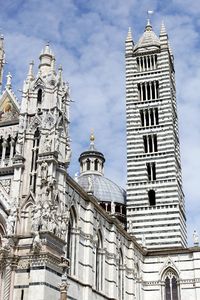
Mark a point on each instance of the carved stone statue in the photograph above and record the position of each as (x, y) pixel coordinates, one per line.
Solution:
(47, 144)
(44, 170)
(19, 144)
(90, 184)
(10, 223)
(37, 212)
(37, 244)
(195, 238)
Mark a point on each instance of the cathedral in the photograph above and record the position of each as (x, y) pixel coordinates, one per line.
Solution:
(87, 238)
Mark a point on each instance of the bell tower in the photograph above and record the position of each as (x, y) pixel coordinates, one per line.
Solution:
(155, 199)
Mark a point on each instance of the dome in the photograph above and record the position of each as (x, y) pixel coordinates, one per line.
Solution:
(148, 41)
(103, 189)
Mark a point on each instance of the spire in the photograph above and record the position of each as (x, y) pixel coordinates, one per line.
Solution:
(46, 57)
(163, 29)
(163, 36)
(9, 81)
(129, 37)
(30, 75)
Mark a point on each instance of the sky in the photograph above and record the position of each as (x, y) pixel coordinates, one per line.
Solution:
(87, 37)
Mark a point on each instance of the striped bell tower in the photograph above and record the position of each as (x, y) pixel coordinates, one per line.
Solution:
(155, 199)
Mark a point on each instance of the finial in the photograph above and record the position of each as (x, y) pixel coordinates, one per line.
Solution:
(129, 35)
(47, 49)
(92, 137)
(9, 81)
(195, 238)
(148, 26)
(30, 75)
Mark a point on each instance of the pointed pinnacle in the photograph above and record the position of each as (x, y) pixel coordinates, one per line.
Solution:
(9, 81)
(129, 35)
(30, 75)
(163, 29)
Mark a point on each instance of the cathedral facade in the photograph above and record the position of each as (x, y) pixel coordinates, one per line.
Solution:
(87, 238)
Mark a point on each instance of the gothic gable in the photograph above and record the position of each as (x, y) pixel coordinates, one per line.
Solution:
(9, 107)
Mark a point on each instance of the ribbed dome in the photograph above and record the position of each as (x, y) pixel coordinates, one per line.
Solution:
(148, 40)
(103, 188)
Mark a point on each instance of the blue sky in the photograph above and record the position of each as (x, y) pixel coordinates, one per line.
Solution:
(87, 38)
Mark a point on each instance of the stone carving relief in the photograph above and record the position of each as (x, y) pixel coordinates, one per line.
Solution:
(5, 184)
(48, 121)
(34, 124)
(11, 220)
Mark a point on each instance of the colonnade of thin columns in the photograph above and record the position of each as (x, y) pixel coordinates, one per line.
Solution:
(149, 116)
(148, 90)
(147, 63)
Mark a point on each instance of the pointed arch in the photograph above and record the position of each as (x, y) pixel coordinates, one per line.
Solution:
(99, 261)
(72, 241)
(27, 214)
(39, 96)
(171, 284)
(121, 275)
(35, 151)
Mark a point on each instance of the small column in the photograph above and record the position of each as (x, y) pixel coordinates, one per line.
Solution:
(154, 62)
(12, 144)
(146, 90)
(150, 87)
(154, 116)
(154, 87)
(143, 63)
(4, 144)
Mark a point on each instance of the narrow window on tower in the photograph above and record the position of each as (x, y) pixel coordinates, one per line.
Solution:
(150, 143)
(156, 115)
(35, 151)
(88, 164)
(139, 92)
(145, 144)
(96, 164)
(142, 117)
(147, 117)
(155, 143)
(157, 90)
(152, 197)
(151, 171)
(39, 96)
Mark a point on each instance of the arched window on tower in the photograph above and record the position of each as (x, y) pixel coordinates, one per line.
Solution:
(39, 96)
(99, 262)
(152, 197)
(88, 164)
(171, 285)
(35, 150)
(72, 241)
(96, 165)
(120, 276)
